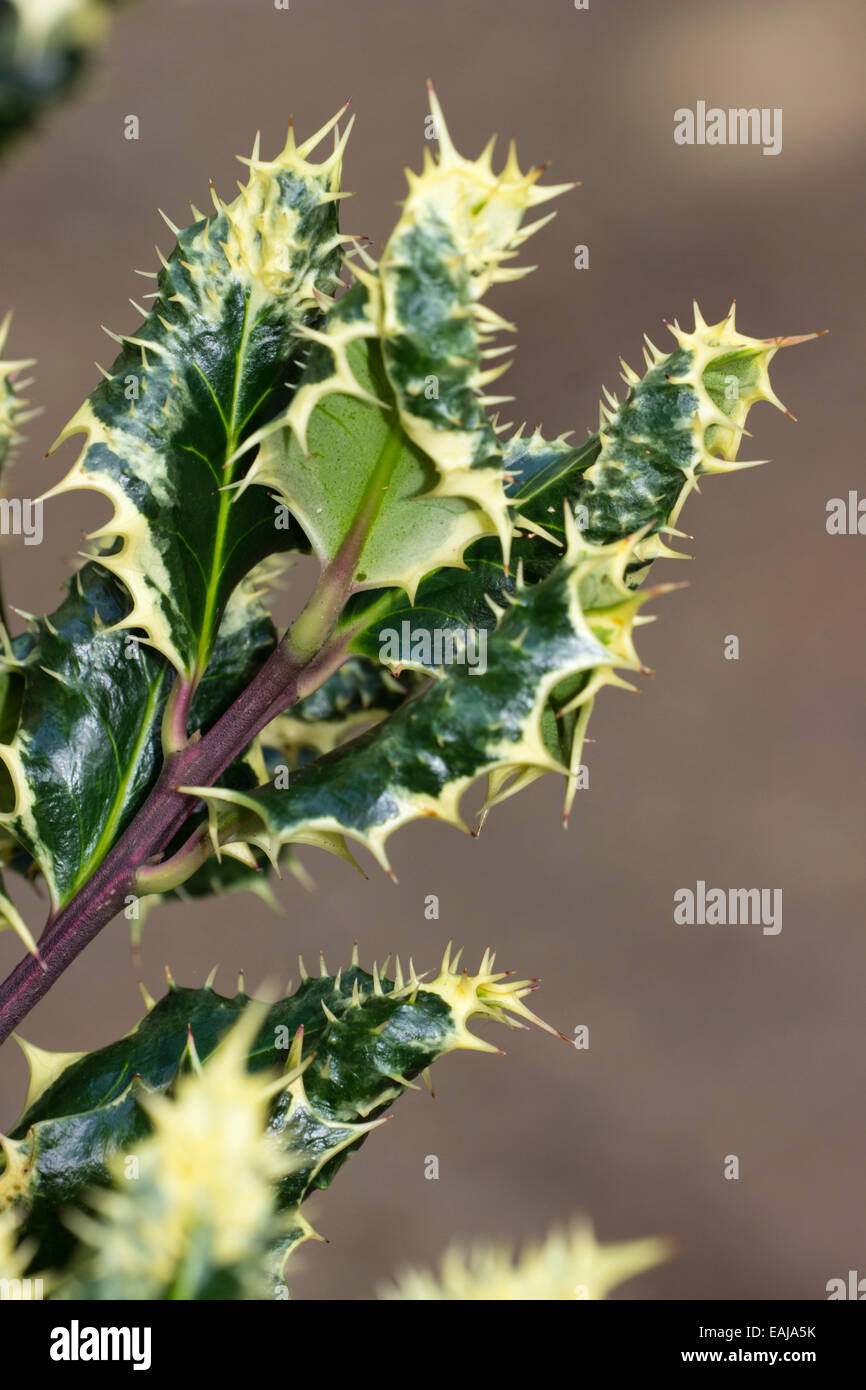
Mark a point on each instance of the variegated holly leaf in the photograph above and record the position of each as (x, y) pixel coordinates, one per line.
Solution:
(345, 468)
(623, 487)
(386, 454)
(460, 223)
(488, 717)
(459, 601)
(200, 1220)
(683, 419)
(207, 366)
(87, 749)
(362, 1037)
(357, 696)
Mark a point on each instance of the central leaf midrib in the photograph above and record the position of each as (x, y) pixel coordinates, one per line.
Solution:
(105, 840)
(373, 494)
(225, 501)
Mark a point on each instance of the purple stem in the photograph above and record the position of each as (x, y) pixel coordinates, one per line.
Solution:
(299, 664)
(276, 686)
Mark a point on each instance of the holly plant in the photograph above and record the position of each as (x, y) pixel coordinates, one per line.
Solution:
(288, 393)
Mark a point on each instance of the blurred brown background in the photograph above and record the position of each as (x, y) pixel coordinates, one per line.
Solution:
(704, 1041)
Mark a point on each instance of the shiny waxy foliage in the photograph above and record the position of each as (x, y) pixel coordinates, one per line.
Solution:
(350, 472)
(251, 414)
(477, 719)
(360, 1037)
(190, 383)
(476, 590)
(87, 746)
